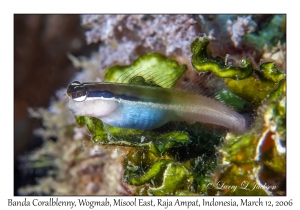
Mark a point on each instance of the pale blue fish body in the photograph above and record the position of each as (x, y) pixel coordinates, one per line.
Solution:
(142, 107)
(137, 117)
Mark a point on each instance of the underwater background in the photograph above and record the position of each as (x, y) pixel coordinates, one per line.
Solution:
(239, 60)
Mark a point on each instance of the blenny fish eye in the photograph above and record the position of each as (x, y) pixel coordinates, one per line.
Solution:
(77, 92)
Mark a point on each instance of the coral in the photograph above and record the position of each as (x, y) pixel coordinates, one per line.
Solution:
(276, 54)
(166, 34)
(240, 27)
(102, 27)
(270, 34)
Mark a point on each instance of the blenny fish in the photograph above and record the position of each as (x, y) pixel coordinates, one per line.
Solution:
(147, 108)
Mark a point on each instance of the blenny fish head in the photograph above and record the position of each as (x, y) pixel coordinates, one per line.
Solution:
(82, 102)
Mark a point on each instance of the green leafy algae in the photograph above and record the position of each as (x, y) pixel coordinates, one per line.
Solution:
(203, 62)
(174, 177)
(271, 72)
(237, 103)
(157, 142)
(156, 168)
(150, 69)
(238, 79)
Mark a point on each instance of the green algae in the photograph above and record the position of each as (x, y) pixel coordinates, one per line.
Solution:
(259, 89)
(271, 72)
(174, 176)
(203, 62)
(235, 102)
(154, 141)
(156, 168)
(238, 79)
(150, 69)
